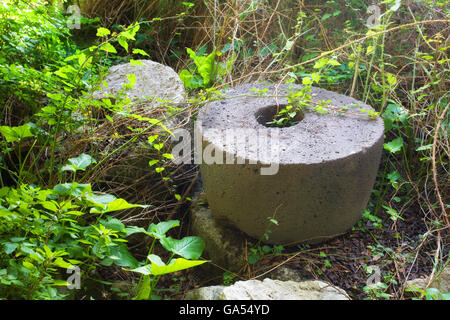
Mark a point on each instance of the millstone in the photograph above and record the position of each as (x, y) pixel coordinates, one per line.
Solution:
(321, 172)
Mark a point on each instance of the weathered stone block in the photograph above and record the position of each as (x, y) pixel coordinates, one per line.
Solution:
(325, 165)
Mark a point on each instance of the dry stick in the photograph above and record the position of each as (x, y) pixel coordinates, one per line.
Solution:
(349, 44)
(433, 162)
(436, 259)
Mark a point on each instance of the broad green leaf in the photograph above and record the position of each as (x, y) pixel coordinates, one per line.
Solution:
(118, 204)
(370, 49)
(60, 283)
(73, 189)
(188, 247)
(5, 213)
(392, 80)
(133, 229)
(145, 289)
(326, 16)
(159, 230)
(113, 224)
(10, 247)
(32, 254)
(122, 257)
(79, 163)
(141, 52)
(28, 265)
(158, 146)
(123, 43)
(394, 146)
(425, 147)
(101, 32)
(55, 96)
(61, 263)
(108, 48)
(206, 68)
(50, 205)
(174, 266)
(13, 134)
(154, 259)
(76, 213)
(101, 200)
(186, 78)
(145, 270)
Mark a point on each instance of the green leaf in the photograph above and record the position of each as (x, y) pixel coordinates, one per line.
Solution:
(394, 146)
(188, 247)
(206, 68)
(101, 32)
(326, 16)
(60, 283)
(174, 266)
(61, 263)
(141, 52)
(113, 224)
(133, 229)
(123, 43)
(186, 78)
(100, 200)
(108, 48)
(13, 134)
(10, 247)
(392, 80)
(118, 204)
(167, 155)
(425, 147)
(122, 257)
(50, 205)
(136, 62)
(145, 270)
(5, 213)
(79, 163)
(28, 265)
(159, 230)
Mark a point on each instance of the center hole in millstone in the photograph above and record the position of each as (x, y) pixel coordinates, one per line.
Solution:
(274, 117)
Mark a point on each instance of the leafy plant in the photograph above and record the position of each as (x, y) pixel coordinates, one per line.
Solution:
(205, 71)
(188, 248)
(44, 232)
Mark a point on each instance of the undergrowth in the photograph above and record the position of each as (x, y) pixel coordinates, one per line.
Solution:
(66, 161)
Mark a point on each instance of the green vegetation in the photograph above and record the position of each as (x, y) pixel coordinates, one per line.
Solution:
(64, 205)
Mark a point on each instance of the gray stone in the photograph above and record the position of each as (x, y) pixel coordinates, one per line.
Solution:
(153, 80)
(284, 273)
(156, 85)
(327, 165)
(441, 281)
(224, 244)
(269, 289)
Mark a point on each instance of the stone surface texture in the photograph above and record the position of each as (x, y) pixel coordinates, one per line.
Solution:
(441, 281)
(224, 245)
(269, 289)
(327, 166)
(153, 80)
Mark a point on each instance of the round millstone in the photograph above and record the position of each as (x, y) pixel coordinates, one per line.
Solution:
(305, 183)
